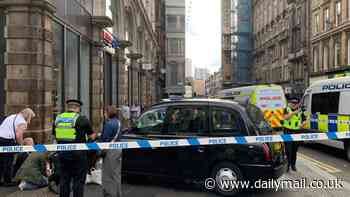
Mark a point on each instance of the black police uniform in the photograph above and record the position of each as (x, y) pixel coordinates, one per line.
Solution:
(74, 164)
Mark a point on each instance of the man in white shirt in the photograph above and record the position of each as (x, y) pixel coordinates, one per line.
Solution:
(11, 134)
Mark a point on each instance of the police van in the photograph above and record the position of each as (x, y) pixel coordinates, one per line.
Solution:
(268, 98)
(327, 105)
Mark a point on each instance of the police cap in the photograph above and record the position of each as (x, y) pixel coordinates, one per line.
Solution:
(74, 101)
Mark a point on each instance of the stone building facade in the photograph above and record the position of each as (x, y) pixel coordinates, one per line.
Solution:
(214, 84)
(53, 50)
(281, 42)
(175, 47)
(330, 39)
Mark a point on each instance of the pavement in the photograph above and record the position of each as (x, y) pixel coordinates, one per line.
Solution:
(315, 162)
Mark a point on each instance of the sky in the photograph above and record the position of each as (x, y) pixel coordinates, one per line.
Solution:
(203, 33)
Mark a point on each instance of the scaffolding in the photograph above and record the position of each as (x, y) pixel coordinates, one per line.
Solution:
(240, 48)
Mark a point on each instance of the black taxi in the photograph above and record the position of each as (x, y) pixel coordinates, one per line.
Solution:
(196, 118)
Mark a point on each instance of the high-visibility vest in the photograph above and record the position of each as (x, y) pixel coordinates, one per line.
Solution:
(294, 122)
(65, 127)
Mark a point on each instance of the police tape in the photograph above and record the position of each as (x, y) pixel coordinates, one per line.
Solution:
(147, 144)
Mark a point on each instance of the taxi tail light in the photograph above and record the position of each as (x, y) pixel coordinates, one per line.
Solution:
(267, 153)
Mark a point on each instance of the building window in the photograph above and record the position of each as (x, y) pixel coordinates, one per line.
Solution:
(315, 59)
(176, 23)
(325, 103)
(59, 63)
(338, 12)
(298, 16)
(337, 53)
(325, 57)
(176, 47)
(2, 66)
(107, 70)
(326, 20)
(317, 24)
(71, 66)
(85, 76)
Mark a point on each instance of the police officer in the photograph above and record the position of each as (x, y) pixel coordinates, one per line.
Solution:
(71, 127)
(292, 124)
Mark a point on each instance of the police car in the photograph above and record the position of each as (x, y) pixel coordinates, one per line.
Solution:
(327, 104)
(172, 120)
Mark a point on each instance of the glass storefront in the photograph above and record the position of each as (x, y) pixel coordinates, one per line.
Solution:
(85, 76)
(107, 70)
(59, 62)
(2, 66)
(71, 66)
(77, 13)
(72, 53)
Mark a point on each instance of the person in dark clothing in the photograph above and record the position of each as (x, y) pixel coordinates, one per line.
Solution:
(71, 127)
(54, 178)
(112, 160)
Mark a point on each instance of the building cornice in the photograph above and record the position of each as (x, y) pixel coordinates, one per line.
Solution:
(329, 33)
(102, 21)
(48, 5)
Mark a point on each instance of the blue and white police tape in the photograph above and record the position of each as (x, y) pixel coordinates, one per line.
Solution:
(142, 144)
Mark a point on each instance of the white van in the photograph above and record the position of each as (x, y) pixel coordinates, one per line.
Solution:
(269, 98)
(327, 104)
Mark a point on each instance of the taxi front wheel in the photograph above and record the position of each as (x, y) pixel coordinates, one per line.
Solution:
(227, 176)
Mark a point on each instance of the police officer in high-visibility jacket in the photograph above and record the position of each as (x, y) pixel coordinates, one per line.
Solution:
(292, 124)
(71, 127)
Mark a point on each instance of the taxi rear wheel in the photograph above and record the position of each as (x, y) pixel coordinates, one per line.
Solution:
(227, 172)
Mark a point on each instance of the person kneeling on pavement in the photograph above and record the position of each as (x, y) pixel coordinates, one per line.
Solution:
(34, 172)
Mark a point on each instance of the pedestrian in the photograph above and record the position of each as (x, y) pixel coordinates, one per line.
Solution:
(112, 159)
(292, 124)
(34, 172)
(72, 127)
(21, 157)
(125, 115)
(11, 134)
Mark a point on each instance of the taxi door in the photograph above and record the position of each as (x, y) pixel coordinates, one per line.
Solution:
(148, 160)
(194, 124)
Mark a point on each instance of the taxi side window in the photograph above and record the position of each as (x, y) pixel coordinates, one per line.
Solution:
(152, 121)
(226, 121)
(186, 120)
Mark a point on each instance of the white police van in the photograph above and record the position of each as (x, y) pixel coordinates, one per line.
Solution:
(327, 104)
